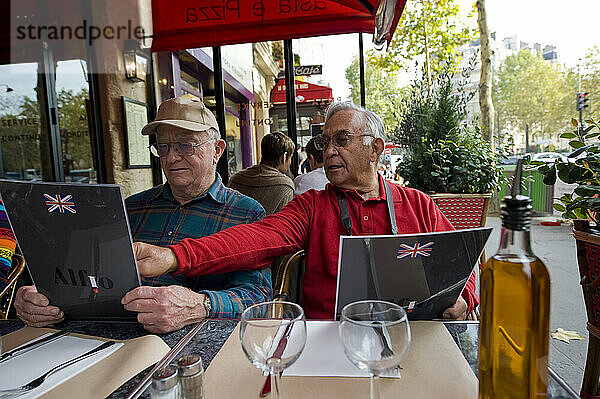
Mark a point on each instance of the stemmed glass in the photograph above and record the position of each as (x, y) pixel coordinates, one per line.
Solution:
(376, 336)
(273, 335)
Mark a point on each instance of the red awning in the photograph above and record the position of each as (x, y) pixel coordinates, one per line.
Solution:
(182, 24)
(305, 93)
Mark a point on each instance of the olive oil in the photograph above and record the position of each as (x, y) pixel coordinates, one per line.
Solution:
(513, 342)
(515, 312)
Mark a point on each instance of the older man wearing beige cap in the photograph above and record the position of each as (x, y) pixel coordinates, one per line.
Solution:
(192, 203)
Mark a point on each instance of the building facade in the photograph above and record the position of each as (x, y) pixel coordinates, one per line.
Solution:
(72, 104)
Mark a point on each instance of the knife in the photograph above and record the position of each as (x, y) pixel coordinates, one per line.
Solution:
(266, 389)
(32, 345)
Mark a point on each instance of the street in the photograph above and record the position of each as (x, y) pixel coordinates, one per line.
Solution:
(555, 246)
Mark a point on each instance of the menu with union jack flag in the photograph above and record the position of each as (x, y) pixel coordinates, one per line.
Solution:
(425, 272)
(76, 241)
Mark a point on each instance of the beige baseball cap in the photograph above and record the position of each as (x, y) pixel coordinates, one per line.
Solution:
(184, 112)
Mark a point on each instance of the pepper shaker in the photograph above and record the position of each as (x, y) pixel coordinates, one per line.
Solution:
(165, 384)
(191, 376)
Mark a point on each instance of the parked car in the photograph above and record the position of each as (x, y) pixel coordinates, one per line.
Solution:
(511, 160)
(549, 157)
(32, 174)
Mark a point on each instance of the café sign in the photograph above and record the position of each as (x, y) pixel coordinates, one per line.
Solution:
(305, 70)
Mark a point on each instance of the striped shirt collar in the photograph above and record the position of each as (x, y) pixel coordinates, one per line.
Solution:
(217, 192)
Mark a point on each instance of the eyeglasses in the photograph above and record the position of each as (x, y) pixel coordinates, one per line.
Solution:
(340, 139)
(181, 149)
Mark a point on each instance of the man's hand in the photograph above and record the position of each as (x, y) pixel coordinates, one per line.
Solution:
(458, 311)
(165, 309)
(35, 309)
(153, 260)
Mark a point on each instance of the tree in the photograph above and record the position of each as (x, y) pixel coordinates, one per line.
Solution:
(431, 30)
(485, 80)
(75, 137)
(20, 134)
(531, 92)
(590, 81)
(383, 93)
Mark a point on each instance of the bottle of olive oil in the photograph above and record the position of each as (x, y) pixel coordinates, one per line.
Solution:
(515, 310)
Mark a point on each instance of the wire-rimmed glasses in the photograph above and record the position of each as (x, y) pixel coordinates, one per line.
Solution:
(182, 149)
(339, 139)
(375, 336)
(273, 335)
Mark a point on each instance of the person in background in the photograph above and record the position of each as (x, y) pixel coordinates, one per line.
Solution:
(303, 160)
(268, 182)
(8, 244)
(316, 178)
(353, 141)
(192, 203)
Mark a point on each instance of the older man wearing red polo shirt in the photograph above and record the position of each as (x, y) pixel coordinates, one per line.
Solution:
(353, 140)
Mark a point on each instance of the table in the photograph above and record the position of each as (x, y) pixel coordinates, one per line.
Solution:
(214, 333)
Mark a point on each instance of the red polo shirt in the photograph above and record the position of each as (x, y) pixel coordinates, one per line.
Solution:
(312, 221)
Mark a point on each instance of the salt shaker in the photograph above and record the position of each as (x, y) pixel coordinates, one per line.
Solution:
(191, 376)
(165, 384)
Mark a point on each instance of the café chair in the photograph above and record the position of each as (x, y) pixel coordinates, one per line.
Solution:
(7, 294)
(288, 282)
(588, 258)
(465, 211)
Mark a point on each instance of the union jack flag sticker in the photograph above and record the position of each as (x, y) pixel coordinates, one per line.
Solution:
(58, 203)
(408, 251)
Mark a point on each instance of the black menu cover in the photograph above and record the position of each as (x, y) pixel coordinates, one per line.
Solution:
(76, 241)
(425, 273)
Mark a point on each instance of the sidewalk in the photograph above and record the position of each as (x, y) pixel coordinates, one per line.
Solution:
(555, 246)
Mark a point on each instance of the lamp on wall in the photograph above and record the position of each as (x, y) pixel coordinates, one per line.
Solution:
(136, 62)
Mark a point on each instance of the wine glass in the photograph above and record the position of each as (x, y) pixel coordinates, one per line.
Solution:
(273, 335)
(376, 336)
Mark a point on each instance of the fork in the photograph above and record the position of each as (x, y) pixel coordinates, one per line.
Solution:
(38, 381)
(386, 351)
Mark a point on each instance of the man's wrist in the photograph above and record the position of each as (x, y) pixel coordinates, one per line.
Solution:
(174, 264)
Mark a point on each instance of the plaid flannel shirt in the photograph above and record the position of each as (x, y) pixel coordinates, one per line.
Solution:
(156, 218)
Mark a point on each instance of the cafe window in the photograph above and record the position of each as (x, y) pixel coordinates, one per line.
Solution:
(190, 85)
(72, 92)
(24, 144)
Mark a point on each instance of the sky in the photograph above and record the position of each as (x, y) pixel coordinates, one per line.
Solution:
(569, 26)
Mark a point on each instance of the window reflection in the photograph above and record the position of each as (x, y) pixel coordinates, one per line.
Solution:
(72, 96)
(20, 122)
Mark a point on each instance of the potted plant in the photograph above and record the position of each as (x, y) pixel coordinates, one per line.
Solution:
(583, 168)
(445, 154)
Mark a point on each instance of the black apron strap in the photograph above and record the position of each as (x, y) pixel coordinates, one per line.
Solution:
(345, 211)
(390, 206)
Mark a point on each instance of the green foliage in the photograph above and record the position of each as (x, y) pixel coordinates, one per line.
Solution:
(24, 146)
(590, 80)
(432, 26)
(75, 137)
(383, 94)
(443, 152)
(532, 91)
(584, 202)
(21, 143)
(462, 166)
